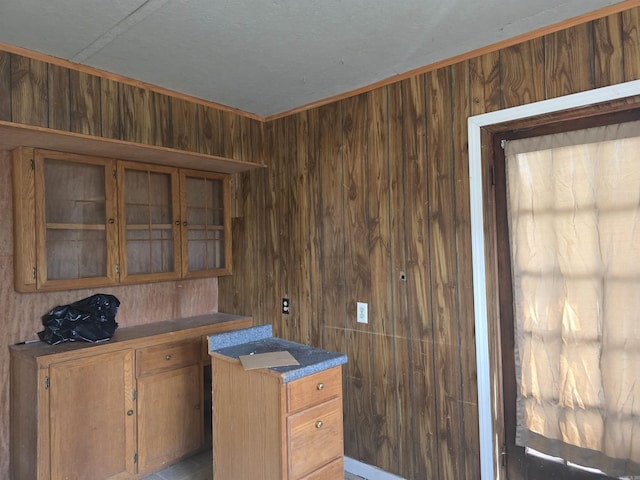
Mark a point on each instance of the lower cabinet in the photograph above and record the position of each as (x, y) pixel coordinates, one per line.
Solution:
(264, 428)
(91, 435)
(119, 409)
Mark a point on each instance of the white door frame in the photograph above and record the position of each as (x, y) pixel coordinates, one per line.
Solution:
(489, 460)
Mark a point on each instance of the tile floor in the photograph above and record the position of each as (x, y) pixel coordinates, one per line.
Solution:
(200, 467)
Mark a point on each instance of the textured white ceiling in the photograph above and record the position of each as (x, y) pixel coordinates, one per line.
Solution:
(269, 56)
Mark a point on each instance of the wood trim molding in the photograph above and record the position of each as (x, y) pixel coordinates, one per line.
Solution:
(587, 17)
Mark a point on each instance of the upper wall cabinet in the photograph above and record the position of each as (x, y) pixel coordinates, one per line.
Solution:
(84, 221)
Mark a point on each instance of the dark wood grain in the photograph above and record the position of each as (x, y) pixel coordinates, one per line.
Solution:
(86, 103)
(29, 93)
(522, 73)
(631, 43)
(5, 86)
(569, 61)
(461, 105)
(608, 53)
(110, 109)
(59, 97)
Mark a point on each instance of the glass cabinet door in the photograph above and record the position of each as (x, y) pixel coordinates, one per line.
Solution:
(206, 224)
(75, 220)
(149, 223)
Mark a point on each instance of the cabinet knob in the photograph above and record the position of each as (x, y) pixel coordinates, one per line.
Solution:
(130, 412)
(319, 424)
(178, 222)
(320, 386)
(111, 220)
(167, 357)
(184, 224)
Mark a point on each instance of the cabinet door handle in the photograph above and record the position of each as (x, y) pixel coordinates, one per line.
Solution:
(130, 412)
(320, 386)
(167, 357)
(319, 424)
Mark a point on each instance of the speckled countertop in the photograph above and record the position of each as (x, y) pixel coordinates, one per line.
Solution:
(260, 339)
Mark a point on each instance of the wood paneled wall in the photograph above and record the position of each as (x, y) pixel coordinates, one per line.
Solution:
(37, 93)
(367, 199)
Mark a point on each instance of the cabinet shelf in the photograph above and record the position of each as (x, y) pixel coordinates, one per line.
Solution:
(13, 135)
(76, 226)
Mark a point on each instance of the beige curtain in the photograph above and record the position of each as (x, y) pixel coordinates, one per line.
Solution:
(574, 221)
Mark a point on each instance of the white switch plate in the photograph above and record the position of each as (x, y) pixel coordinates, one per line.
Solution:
(362, 313)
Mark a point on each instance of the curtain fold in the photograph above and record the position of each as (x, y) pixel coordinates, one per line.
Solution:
(574, 223)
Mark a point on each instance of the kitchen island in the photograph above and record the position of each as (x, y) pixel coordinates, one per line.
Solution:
(279, 422)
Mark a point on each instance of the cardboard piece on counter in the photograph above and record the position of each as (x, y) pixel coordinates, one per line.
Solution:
(266, 360)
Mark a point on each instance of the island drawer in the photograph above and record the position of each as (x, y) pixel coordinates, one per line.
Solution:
(314, 389)
(315, 437)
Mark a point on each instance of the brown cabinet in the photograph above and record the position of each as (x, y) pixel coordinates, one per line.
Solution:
(264, 428)
(119, 409)
(83, 221)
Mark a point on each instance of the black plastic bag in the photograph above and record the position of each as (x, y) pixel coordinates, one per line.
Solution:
(91, 319)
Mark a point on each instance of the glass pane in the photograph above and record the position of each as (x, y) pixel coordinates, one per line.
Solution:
(205, 219)
(76, 254)
(148, 213)
(206, 249)
(149, 251)
(74, 192)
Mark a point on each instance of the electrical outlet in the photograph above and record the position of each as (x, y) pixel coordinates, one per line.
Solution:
(362, 313)
(286, 306)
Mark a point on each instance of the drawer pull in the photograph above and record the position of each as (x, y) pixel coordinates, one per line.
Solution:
(168, 357)
(319, 424)
(320, 386)
(130, 412)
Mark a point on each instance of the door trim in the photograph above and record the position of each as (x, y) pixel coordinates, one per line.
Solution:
(488, 405)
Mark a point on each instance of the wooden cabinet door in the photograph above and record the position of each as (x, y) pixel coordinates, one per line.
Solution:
(92, 417)
(75, 211)
(149, 222)
(170, 417)
(206, 224)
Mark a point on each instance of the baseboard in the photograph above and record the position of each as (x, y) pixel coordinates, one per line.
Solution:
(367, 471)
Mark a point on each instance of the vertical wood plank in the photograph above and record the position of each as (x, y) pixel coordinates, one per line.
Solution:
(631, 43)
(288, 206)
(59, 103)
(86, 114)
(444, 309)
(357, 276)
(423, 410)
(302, 214)
(400, 317)
(184, 117)
(484, 72)
(461, 106)
(522, 68)
(314, 173)
(110, 109)
(332, 237)
(29, 102)
(268, 234)
(332, 221)
(145, 116)
(384, 399)
(279, 227)
(5, 86)
(569, 64)
(210, 131)
(608, 65)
